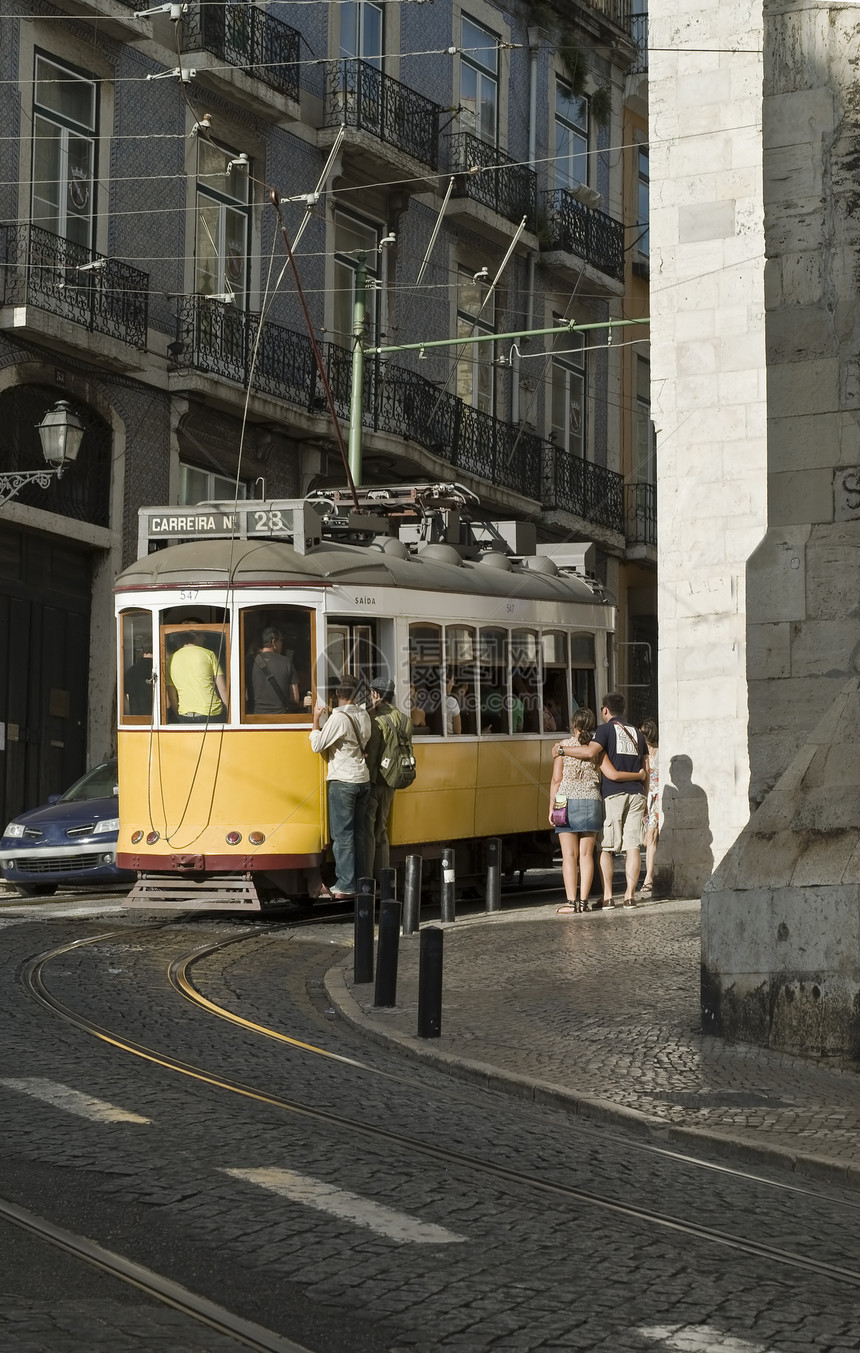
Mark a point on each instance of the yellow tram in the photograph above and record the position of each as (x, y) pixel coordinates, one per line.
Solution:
(228, 809)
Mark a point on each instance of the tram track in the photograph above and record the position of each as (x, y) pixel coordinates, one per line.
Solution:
(33, 978)
(151, 1284)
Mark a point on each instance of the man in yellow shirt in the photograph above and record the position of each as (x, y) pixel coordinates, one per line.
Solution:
(196, 689)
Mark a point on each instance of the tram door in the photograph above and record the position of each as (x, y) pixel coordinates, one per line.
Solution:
(349, 648)
(45, 587)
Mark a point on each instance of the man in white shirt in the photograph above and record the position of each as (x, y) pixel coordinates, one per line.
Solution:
(343, 737)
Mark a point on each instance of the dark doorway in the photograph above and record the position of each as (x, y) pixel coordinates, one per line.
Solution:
(45, 590)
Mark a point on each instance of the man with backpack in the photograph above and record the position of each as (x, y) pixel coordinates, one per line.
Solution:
(391, 763)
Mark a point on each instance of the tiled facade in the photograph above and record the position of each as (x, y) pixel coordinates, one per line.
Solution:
(109, 292)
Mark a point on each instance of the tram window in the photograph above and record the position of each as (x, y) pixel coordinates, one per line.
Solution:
(136, 666)
(493, 676)
(582, 666)
(556, 698)
(349, 648)
(460, 665)
(277, 654)
(525, 673)
(198, 677)
(425, 673)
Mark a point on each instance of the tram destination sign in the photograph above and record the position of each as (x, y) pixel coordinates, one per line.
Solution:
(285, 519)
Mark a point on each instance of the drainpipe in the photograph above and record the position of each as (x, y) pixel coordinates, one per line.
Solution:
(533, 33)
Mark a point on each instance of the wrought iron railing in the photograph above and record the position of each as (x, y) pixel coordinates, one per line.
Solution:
(359, 95)
(216, 338)
(639, 34)
(66, 279)
(619, 11)
(641, 514)
(487, 175)
(571, 484)
(248, 38)
(590, 234)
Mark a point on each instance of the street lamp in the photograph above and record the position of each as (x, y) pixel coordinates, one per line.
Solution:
(60, 431)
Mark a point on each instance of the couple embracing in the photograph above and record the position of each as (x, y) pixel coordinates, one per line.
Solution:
(602, 773)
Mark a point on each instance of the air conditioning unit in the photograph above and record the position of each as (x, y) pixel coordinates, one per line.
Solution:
(589, 197)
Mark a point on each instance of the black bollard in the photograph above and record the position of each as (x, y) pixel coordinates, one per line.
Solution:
(388, 885)
(363, 933)
(448, 883)
(493, 900)
(430, 982)
(388, 947)
(412, 895)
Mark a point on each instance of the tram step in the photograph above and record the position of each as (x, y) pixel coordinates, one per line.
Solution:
(168, 891)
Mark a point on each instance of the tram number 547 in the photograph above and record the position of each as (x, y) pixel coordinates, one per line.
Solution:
(188, 594)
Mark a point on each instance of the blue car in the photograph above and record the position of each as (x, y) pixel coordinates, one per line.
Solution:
(71, 840)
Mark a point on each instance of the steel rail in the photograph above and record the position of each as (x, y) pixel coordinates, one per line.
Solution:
(184, 985)
(165, 1290)
(34, 983)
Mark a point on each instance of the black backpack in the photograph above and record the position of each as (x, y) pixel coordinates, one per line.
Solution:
(397, 763)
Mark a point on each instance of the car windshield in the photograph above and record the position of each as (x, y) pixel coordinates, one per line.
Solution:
(98, 783)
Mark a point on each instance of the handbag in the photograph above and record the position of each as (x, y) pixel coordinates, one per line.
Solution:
(558, 816)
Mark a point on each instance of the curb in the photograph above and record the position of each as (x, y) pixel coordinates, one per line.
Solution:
(538, 1092)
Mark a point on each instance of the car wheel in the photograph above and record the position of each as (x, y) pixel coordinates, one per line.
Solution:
(36, 889)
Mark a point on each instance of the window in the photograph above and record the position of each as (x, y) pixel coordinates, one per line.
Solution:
(425, 673)
(645, 469)
(205, 486)
(195, 665)
(571, 138)
(349, 648)
(644, 208)
(494, 684)
(568, 393)
(351, 237)
(460, 673)
(64, 126)
(475, 361)
(136, 687)
(278, 664)
(556, 702)
(221, 225)
(582, 671)
(479, 79)
(525, 683)
(361, 31)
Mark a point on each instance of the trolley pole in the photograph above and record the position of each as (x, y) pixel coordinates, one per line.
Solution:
(356, 400)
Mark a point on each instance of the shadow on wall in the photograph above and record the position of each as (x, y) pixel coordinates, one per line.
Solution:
(685, 860)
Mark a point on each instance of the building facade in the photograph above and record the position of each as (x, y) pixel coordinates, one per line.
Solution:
(466, 155)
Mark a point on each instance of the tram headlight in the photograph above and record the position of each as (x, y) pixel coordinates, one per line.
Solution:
(136, 838)
(256, 838)
(151, 839)
(233, 838)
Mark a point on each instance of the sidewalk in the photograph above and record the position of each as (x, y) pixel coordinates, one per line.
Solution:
(599, 1013)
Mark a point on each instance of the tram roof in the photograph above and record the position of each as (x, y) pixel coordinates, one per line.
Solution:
(273, 562)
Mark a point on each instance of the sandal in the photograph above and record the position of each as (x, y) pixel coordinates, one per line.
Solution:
(645, 892)
(567, 909)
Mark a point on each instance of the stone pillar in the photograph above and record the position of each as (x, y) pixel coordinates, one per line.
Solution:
(708, 370)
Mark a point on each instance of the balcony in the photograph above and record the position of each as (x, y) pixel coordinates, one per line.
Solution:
(103, 295)
(572, 228)
(490, 178)
(258, 47)
(217, 339)
(589, 491)
(380, 112)
(640, 514)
